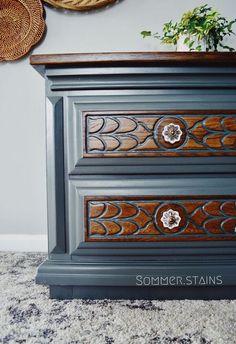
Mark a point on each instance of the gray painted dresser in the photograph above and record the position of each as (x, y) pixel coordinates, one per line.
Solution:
(141, 175)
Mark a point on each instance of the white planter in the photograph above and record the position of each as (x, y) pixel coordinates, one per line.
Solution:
(181, 46)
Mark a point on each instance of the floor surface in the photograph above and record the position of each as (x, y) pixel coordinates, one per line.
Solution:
(27, 315)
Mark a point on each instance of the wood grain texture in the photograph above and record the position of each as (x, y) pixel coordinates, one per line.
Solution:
(143, 134)
(137, 58)
(144, 218)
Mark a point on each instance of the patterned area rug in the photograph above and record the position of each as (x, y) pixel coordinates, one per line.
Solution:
(27, 315)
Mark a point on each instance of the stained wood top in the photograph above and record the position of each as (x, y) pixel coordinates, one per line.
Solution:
(135, 58)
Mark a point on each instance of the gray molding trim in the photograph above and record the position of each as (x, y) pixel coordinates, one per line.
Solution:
(55, 174)
(124, 274)
(143, 77)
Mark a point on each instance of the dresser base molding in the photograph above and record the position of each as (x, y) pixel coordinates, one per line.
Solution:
(140, 280)
(142, 293)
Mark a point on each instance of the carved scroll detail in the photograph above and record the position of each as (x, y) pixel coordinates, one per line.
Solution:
(160, 219)
(150, 134)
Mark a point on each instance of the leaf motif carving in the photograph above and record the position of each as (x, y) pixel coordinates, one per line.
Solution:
(127, 210)
(214, 141)
(199, 216)
(128, 143)
(126, 125)
(192, 206)
(229, 141)
(111, 143)
(148, 122)
(206, 218)
(111, 210)
(95, 124)
(148, 145)
(230, 123)
(229, 208)
(128, 228)
(214, 123)
(110, 126)
(150, 229)
(192, 229)
(229, 225)
(95, 143)
(97, 228)
(141, 218)
(139, 135)
(148, 207)
(213, 226)
(191, 121)
(111, 227)
(199, 131)
(96, 209)
(193, 144)
(213, 208)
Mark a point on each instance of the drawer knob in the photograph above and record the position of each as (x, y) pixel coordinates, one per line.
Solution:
(172, 133)
(170, 219)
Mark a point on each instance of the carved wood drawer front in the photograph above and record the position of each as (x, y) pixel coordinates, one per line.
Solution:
(160, 218)
(159, 133)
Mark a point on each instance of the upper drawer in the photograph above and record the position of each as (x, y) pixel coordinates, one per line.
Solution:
(151, 141)
(145, 132)
(124, 134)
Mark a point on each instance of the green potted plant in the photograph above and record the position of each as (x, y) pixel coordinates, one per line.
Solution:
(202, 29)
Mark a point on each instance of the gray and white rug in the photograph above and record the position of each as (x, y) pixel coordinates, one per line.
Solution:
(27, 315)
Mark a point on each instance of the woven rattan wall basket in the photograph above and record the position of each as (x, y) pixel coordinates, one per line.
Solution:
(22, 26)
(80, 5)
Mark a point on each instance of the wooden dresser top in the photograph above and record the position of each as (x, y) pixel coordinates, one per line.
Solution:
(223, 59)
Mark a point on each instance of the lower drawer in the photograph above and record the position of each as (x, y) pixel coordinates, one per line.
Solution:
(149, 209)
(160, 218)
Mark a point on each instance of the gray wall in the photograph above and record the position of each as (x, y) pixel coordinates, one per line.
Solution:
(22, 137)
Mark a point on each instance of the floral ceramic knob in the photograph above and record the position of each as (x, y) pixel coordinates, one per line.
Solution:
(170, 219)
(172, 133)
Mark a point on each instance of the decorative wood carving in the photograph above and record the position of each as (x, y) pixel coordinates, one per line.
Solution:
(156, 133)
(160, 219)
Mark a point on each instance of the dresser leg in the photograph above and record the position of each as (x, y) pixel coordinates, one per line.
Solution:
(142, 293)
(60, 292)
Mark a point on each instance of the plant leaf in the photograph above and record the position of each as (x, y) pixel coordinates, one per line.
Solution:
(146, 33)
